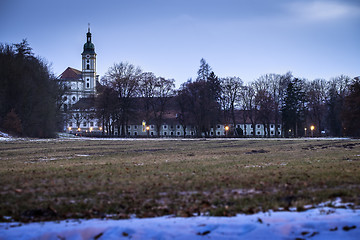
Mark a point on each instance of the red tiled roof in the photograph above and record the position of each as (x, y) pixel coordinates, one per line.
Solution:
(70, 73)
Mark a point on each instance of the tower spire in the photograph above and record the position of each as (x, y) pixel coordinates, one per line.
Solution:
(88, 27)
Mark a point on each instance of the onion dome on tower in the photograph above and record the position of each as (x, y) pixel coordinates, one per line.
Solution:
(89, 46)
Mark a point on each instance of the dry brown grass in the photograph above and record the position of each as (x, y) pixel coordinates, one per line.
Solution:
(42, 180)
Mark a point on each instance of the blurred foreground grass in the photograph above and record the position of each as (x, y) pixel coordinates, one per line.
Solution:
(59, 179)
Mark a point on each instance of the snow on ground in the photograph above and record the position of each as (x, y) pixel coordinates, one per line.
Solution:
(318, 223)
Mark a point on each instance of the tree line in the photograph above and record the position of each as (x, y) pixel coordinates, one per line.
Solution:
(31, 98)
(29, 93)
(295, 104)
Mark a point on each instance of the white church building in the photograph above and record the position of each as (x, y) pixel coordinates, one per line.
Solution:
(79, 108)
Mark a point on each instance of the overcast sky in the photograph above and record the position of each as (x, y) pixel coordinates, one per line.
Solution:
(313, 39)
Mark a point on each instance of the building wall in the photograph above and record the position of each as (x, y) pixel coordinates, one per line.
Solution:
(166, 130)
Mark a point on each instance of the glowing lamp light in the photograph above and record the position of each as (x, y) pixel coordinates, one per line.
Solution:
(79, 129)
(69, 128)
(312, 127)
(147, 128)
(100, 128)
(226, 128)
(91, 129)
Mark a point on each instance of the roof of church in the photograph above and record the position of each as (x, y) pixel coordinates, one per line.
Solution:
(70, 73)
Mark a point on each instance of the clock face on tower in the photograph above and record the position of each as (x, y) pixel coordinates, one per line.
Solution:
(88, 56)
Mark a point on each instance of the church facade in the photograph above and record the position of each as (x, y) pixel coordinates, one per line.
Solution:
(80, 87)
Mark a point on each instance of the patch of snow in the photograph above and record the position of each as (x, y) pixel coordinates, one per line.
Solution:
(334, 224)
(82, 155)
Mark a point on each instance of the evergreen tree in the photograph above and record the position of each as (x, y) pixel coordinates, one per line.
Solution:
(293, 109)
(29, 89)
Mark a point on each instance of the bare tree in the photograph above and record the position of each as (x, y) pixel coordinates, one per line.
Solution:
(163, 90)
(247, 99)
(124, 79)
(230, 89)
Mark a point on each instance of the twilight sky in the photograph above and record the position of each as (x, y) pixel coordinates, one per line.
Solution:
(244, 38)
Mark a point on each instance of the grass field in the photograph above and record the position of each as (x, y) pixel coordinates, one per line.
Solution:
(60, 179)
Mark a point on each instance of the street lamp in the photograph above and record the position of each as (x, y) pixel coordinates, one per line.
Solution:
(312, 128)
(305, 131)
(147, 129)
(226, 130)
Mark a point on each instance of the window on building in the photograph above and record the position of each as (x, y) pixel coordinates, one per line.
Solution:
(258, 133)
(135, 127)
(87, 85)
(279, 125)
(178, 126)
(135, 133)
(258, 125)
(65, 107)
(87, 66)
(165, 133)
(218, 126)
(129, 133)
(238, 126)
(272, 126)
(91, 124)
(152, 126)
(87, 61)
(172, 133)
(172, 127)
(152, 133)
(84, 124)
(165, 127)
(70, 124)
(192, 133)
(218, 133)
(74, 98)
(211, 133)
(272, 132)
(178, 133)
(129, 127)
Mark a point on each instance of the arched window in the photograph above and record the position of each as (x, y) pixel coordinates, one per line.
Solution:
(88, 66)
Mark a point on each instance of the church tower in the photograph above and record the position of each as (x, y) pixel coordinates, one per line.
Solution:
(89, 66)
